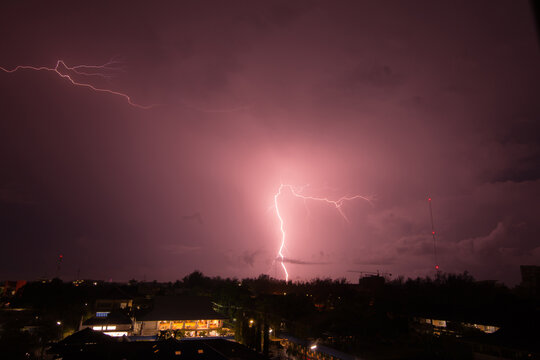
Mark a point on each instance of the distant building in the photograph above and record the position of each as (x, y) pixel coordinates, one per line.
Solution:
(437, 327)
(190, 316)
(114, 299)
(371, 283)
(530, 278)
(295, 348)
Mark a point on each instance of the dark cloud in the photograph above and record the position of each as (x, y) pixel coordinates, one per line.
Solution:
(301, 262)
(196, 216)
(249, 257)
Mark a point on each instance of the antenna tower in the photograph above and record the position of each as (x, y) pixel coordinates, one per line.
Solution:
(434, 237)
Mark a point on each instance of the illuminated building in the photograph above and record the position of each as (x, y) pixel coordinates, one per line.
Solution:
(189, 316)
(110, 323)
(439, 327)
(309, 350)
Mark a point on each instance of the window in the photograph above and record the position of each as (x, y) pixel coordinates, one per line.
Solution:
(96, 328)
(111, 327)
(190, 325)
(438, 323)
(164, 325)
(212, 324)
(102, 313)
(177, 325)
(202, 324)
(116, 333)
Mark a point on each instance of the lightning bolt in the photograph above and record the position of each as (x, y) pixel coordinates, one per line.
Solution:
(335, 203)
(67, 73)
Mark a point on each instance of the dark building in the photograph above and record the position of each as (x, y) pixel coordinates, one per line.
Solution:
(530, 278)
(89, 344)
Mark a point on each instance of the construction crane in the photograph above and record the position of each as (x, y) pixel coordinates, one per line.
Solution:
(372, 273)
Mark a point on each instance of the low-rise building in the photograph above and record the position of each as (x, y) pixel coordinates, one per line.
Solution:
(113, 324)
(187, 316)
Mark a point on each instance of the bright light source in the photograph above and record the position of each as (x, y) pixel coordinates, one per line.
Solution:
(251, 321)
(116, 333)
(58, 323)
(270, 331)
(313, 347)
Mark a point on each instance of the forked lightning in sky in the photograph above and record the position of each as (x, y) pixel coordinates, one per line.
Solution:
(335, 203)
(84, 71)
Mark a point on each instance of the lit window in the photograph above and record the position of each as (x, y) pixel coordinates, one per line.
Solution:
(212, 324)
(102, 313)
(164, 325)
(116, 333)
(202, 324)
(113, 327)
(200, 351)
(439, 323)
(97, 328)
(178, 352)
(177, 325)
(190, 325)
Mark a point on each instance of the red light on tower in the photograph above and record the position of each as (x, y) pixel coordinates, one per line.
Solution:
(429, 199)
(436, 267)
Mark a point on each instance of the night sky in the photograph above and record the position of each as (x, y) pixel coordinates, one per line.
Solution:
(396, 100)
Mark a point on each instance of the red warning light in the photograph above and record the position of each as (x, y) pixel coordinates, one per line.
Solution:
(433, 232)
(61, 256)
(429, 199)
(436, 267)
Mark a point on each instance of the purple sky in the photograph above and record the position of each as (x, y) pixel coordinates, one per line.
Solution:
(396, 100)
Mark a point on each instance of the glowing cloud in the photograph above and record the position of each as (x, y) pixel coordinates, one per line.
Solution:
(335, 203)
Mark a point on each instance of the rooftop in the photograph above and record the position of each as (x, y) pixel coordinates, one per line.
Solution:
(181, 308)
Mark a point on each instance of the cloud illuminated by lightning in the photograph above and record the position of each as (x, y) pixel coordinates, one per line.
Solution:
(296, 192)
(68, 72)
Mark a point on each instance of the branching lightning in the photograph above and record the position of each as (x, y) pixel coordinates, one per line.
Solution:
(69, 72)
(335, 203)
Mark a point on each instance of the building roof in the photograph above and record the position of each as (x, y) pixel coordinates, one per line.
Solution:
(113, 318)
(181, 308)
(86, 336)
(320, 348)
(166, 349)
